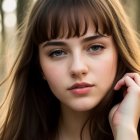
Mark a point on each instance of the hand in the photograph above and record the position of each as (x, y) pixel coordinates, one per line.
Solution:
(124, 117)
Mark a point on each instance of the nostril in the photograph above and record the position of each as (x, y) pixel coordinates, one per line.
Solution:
(79, 73)
(78, 67)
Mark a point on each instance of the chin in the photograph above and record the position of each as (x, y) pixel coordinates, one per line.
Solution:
(84, 107)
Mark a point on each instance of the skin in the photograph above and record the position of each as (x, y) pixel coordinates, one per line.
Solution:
(93, 61)
(124, 117)
(65, 62)
(80, 61)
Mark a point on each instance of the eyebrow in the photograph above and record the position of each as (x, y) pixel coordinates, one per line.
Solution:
(55, 43)
(94, 37)
(61, 43)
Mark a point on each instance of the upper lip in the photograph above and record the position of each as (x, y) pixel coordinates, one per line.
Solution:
(80, 85)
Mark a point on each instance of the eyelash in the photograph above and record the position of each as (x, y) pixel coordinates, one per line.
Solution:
(57, 53)
(93, 49)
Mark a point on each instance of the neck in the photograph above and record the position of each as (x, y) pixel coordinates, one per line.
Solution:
(71, 124)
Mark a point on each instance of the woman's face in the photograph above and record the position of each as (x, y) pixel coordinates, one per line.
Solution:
(79, 71)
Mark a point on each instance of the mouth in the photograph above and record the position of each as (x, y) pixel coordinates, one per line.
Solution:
(80, 88)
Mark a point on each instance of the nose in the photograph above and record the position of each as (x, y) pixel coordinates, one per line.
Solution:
(79, 68)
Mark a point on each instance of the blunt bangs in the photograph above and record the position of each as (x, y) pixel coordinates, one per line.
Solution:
(70, 18)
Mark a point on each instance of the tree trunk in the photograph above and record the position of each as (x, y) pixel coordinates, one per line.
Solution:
(22, 8)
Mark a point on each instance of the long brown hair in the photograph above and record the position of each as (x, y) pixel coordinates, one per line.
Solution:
(32, 105)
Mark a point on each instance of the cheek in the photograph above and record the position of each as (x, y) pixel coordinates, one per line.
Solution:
(106, 71)
(53, 75)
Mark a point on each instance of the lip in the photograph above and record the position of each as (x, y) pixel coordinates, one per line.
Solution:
(80, 88)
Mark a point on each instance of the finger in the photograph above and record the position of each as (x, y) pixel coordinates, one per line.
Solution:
(134, 76)
(125, 81)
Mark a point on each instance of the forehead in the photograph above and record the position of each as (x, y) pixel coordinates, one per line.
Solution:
(91, 31)
(90, 36)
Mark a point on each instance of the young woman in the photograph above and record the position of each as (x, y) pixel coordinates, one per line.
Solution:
(77, 74)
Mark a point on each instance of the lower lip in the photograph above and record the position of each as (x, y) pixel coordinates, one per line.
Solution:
(81, 91)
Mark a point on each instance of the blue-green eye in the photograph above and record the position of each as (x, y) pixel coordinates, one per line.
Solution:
(95, 48)
(57, 53)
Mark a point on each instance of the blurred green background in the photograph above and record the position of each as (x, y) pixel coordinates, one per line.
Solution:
(12, 13)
